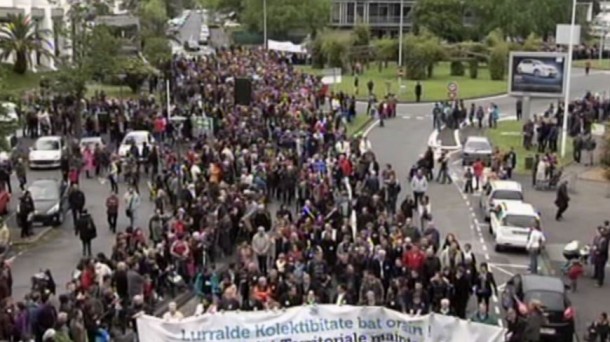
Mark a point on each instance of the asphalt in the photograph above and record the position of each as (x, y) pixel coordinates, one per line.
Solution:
(402, 141)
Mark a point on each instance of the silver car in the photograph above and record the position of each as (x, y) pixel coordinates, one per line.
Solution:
(476, 148)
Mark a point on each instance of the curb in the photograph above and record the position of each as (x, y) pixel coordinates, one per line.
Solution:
(27, 242)
(439, 100)
(362, 126)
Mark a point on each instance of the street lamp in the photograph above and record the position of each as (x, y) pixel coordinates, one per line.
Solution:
(265, 23)
(400, 28)
(564, 130)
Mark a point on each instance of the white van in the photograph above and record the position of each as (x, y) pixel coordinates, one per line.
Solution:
(497, 192)
(510, 224)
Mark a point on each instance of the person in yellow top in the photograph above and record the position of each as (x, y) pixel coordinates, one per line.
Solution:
(5, 237)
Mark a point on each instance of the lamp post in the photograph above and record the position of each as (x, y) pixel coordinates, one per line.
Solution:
(564, 130)
(400, 28)
(265, 23)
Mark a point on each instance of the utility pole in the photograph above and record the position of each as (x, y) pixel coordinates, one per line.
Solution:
(400, 37)
(265, 23)
(564, 130)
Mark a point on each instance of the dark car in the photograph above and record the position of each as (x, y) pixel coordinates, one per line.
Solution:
(50, 201)
(551, 293)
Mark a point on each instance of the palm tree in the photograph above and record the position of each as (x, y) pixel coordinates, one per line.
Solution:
(20, 37)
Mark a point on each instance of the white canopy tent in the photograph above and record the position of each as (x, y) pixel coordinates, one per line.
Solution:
(285, 46)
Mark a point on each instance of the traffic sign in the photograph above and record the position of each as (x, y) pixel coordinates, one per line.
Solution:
(452, 95)
(401, 73)
(452, 87)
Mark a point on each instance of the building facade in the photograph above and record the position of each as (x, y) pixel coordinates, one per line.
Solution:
(382, 16)
(50, 16)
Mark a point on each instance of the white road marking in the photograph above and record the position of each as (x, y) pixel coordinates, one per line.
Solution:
(456, 162)
(420, 118)
(406, 117)
(502, 270)
(510, 265)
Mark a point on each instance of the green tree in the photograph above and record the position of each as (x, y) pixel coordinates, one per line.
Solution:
(136, 72)
(157, 50)
(498, 62)
(532, 43)
(335, 48)
(362, 35)
(153, 17)
(421, 52)
(386, 49)
(284, 16)
(20, 37)
(443, 18)
(101, 51)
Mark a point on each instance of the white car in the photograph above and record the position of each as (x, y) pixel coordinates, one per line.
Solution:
(138, 138)
(497, 192)
(511, 223)
(537, 68)
(47, 152)
(91, 142)
(11, 113)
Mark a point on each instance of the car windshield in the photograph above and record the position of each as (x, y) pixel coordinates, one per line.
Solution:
(520, 221)
(478, 146)
(507, 195)
(47, 145)
(134, 139)
(44, 192)
(551, 301)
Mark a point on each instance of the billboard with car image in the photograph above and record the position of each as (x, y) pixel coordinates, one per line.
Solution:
(537, 74)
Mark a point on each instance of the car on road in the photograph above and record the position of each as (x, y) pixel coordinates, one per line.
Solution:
(551, 292)
(191, 45)
(47, 152)
(497, 192)
(510, 224)
(203, 39)
(537, 68)
(138, 138)
(50, 198)
(91, 142)
(477, 148)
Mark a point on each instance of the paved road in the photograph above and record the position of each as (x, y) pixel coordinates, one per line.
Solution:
(191, 28)
(402, 141)
(62, 253)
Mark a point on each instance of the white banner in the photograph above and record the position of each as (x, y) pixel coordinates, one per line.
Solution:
(320, 323)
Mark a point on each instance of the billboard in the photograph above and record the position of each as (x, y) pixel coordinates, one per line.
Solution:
(537, 74)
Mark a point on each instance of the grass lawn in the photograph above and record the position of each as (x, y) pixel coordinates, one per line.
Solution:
(120, 92)
(434, 89)
(508, 134)
(604, 64)
(15, 85)
(356, 126)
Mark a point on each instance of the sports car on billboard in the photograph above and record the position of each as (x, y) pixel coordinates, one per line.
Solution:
(536, 68)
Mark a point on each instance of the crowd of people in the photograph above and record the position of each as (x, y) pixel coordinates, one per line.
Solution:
(251, 212)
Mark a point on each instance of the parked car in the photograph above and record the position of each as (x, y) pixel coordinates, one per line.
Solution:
(510, 224)
(91, 142)
(521, 289)
(537, 68)
(47, 152)
(498, 192)
(50, 201)
(477, 148)
(191, 45)
(138, 138)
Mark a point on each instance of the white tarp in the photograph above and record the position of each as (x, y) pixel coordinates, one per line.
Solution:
(317, 323)
(285, 46)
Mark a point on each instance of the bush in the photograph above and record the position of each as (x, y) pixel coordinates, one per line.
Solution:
(498, 62)
(473, 68)
(457, 68)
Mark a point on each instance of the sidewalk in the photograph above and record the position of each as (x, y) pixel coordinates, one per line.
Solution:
(589, 207)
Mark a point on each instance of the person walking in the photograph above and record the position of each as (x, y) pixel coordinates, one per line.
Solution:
(132, 203)
(261, 245)
(419, 186)
(20, 172)
(25, 213)
(76, 199)
(535, 244)
(519, 109)
(510, 162)
(86, 231)
(600, 255)
(443, 169)
(562, 200)
(113, 175)
(599, 330)
(112, 211)
(418, 91)
(533, 322)
(485, 285)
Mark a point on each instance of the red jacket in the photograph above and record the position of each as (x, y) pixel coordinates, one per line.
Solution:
(414, 259)
(346, 167)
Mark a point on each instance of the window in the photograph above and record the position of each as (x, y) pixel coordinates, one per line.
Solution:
(360, 11)
(373, 10)
(335, 15)
(519, 221)
(507, 195)
(395, 8)
(350, 10)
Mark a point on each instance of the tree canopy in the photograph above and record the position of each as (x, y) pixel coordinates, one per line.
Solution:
(284, 16)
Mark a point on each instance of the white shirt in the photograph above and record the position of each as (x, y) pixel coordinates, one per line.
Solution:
(535, 240)
(175, 317)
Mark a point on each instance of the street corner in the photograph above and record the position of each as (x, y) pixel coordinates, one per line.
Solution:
(448, 139)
